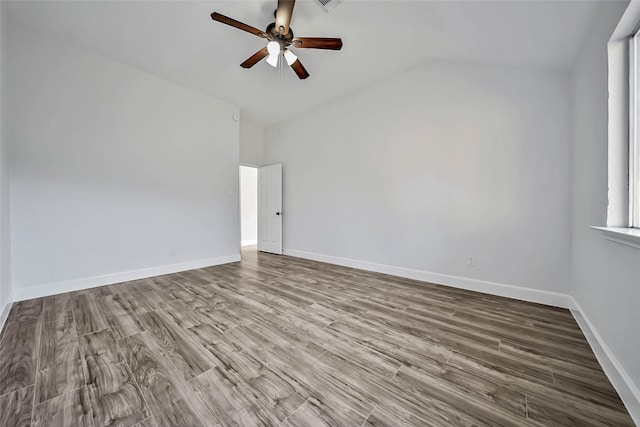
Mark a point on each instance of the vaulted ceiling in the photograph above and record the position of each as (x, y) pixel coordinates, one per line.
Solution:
(177, 40)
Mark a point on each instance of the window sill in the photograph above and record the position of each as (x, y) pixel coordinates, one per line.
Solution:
(624, 236)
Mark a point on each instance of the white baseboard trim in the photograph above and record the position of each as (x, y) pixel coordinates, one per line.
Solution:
(110, 279)
(555, 299)
(248, 242)
(5, 314)
(622, 382)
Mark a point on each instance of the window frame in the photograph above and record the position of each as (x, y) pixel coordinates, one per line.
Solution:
(623, 148)
(634, 129)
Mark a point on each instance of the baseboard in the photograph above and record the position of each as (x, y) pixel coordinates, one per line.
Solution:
(110, 279)
(622, 382)
(248, 242)
(5, 314)
(555, 299)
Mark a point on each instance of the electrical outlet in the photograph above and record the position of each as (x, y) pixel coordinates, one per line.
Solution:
(471, 260)
(172, 252)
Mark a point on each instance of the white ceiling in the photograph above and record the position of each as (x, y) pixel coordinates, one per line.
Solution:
(177, 40)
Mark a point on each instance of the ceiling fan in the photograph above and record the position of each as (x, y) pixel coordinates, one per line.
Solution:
(280, 38)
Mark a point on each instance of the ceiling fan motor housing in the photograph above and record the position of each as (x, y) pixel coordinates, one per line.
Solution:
(283, 39)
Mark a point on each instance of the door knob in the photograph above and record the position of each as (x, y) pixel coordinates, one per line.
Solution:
(278, 213)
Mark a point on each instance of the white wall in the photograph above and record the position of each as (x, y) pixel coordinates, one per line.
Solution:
(605, 276)
(441, 162)
(6, 295)
(248, 206)
(113, 170)
(251, 143)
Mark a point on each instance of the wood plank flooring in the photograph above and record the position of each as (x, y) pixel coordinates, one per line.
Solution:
(280, 341)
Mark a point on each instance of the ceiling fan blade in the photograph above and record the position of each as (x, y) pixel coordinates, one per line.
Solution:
(300, 70)
(283, 15)
(237, 24)
(255, 58)
(317, 43)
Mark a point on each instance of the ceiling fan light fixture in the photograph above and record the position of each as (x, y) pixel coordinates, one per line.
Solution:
(290, 57)
(273, 47)
(273, 60)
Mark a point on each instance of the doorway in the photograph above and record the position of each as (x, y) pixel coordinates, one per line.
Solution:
(248, 206)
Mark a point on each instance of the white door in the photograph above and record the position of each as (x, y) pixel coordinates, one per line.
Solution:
(270, 209)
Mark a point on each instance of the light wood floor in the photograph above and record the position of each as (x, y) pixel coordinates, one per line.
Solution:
(275, 340)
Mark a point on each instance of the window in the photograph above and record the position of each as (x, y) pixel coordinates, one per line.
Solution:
(634, 131)
(623, 155)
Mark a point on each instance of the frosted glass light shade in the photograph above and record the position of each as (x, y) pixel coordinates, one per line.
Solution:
(273, 60)
(290, 57)
(273, 48)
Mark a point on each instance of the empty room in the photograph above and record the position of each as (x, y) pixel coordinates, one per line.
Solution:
(319, 213)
